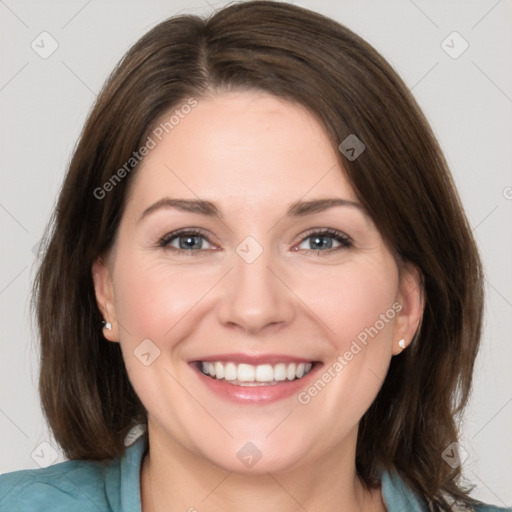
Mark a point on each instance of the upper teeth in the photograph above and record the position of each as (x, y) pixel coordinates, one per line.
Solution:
(250, 373)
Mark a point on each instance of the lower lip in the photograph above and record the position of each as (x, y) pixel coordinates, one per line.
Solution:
(256, 394)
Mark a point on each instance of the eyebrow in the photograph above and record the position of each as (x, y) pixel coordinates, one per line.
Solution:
(296, 209)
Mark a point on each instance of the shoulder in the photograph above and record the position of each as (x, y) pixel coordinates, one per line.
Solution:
(71, 485)
(77, 485)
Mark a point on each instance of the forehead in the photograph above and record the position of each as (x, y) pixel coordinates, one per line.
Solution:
(241, 148)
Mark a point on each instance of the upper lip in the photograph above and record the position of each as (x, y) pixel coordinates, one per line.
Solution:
(253, 359)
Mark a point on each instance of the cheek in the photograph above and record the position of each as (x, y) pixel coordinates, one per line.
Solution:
(357, 305)
(154, 306)
(151, 296)
(355, 299)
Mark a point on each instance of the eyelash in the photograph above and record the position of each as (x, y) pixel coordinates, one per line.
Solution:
(344, 240)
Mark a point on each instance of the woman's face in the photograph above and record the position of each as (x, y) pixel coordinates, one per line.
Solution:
(222, 263)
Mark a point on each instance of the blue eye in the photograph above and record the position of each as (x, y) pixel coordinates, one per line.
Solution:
(187, 241)
(193, 241)
(325, 240)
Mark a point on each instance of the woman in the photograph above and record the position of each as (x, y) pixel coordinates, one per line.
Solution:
(258, 256)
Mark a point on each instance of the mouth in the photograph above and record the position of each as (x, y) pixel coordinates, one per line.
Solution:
(255, 379)
(244, 374)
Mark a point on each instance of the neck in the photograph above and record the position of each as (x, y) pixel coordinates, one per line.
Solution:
(175, 479)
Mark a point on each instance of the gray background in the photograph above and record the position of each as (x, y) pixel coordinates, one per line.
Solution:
(467, 99)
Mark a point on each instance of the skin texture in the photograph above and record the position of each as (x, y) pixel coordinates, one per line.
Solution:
(253, 155)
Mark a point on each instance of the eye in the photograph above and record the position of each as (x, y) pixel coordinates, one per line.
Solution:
(195, 241)
(326, 240)
(190, 240)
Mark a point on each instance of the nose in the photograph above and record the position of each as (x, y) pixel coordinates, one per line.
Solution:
(256, 296)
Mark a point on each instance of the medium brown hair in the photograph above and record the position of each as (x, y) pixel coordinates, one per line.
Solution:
(401, 178)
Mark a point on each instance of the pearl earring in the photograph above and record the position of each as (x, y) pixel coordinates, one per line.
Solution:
(107, 325)
(401, 343)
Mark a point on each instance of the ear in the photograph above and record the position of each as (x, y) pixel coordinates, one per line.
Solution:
(105, 297)
(411, 299)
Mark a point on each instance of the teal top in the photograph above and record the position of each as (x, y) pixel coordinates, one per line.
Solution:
(89, 486)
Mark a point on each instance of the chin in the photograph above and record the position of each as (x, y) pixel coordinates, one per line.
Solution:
(257, 457)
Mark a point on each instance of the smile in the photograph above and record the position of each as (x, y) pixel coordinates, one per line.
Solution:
(251, 375)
